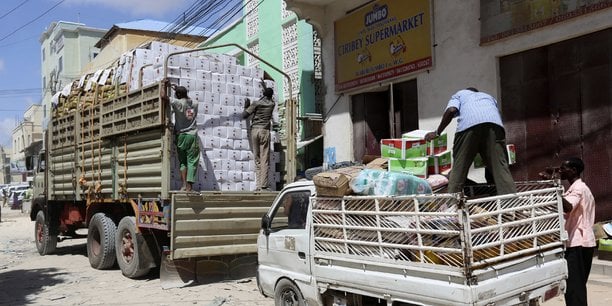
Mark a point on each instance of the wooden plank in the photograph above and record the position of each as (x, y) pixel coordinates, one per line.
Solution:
(215, 251)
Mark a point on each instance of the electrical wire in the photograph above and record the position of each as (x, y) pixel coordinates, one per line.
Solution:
(31, 21)
(18, 6)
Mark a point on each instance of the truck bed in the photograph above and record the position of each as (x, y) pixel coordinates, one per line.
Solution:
(447, 249)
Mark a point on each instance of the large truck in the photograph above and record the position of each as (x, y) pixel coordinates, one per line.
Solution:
(435, 249)
(108, 165)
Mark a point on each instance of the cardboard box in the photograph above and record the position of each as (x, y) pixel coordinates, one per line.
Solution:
(439, 163)
(417, 166)
(378, 163)
(435, 146)
(402, 148)
(336, 183)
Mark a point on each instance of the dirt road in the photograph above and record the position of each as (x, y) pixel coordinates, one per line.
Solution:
(66, 278)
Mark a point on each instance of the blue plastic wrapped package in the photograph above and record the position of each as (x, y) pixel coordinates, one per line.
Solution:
(383, 183)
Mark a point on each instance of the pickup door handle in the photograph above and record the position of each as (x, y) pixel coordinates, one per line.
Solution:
(302, 255)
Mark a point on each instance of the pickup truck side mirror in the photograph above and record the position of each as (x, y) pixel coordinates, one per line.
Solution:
(265, 224)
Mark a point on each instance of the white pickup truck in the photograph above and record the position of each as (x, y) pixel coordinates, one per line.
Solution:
(440, 249)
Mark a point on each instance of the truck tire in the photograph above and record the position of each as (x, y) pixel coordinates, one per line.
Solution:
(45, 243)
(287, 293)
(128, 245)
(101, 242)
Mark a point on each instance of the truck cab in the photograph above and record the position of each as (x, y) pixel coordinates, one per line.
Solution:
(284, 241)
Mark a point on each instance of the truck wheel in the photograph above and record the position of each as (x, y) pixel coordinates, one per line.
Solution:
(45, 243)
(128, 244)
(101, 242)
(287, 293)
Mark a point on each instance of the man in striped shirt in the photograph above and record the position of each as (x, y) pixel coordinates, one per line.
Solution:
(479, 131)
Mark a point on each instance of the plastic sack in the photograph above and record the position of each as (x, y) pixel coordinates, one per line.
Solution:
(437, 180)
(383, 183)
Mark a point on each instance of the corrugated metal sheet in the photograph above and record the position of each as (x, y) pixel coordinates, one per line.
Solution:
(211, 224)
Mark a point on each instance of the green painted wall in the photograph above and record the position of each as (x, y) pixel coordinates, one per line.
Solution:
(269, 36)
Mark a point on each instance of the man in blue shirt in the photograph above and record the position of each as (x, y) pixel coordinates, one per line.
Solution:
(479, 131)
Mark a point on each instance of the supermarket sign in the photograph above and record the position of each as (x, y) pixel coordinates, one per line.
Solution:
(381, 41)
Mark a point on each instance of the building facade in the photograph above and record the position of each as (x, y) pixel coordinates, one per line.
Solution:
(126, 36)
(65, 48)
(275, 34)
(5, 167)
(27, 132)
(547, 62)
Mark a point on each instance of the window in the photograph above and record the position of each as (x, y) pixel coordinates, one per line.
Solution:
(44, 84)
(292, 211)
(60, 64)
(43, 54)
(95, 54)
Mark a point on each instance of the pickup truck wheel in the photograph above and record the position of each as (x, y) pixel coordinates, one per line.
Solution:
(101, 242)
(287, 293)
(45, 243)
(128, 243)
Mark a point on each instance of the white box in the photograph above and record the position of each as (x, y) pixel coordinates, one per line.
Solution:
(217, 164)
(219, 87)
(216, 67)
(211, 142)
(211, 98)
(257, 73)
(247, 81)
(203, 85)
(242, 166)
(246, 155)
(247, 91)
(174, 61)
(201, 64)
(234, 89)
(233, 154)
(230, 69)
(205, 108)
(220, 110)
(187, 83)
(227, 99)
(239, 101)
(228, 164)
(186, 61)
(220, 153)
(203, 75)
(218, 77)
(220, 131)
(197, 95)
(234, 133)
(241, 144)
(240, 186)
(159, 47)
(232, 79)
(234, 176)
(248, 176)
(188, 73)
(243, 71)
(226, 143)
(220, 175)
(229, 60)
(225, 121)
(174, 72)
(245, 131)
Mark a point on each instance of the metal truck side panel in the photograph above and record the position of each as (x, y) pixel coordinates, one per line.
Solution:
(211, 223)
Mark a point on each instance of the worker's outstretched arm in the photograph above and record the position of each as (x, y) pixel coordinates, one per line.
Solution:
(448, 116)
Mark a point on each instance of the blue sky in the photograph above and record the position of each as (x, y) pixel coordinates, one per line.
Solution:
(20, 52)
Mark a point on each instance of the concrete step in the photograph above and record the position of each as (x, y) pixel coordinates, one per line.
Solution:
(601, 272)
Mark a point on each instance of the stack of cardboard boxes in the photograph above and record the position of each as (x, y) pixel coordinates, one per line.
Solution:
(414, 155)
(217, 83)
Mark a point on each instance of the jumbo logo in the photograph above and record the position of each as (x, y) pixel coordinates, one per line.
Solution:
(377, 14)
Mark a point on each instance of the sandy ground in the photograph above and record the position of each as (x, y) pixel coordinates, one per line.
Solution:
(66, 278)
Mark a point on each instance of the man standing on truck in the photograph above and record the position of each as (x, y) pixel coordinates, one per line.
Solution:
(261, 111)
(579, 212)
(479, 130)
(185, 128)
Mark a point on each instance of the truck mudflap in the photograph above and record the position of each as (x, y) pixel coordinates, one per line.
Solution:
(213, 237)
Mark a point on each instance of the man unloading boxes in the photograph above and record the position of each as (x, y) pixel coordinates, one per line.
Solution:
(479, 130)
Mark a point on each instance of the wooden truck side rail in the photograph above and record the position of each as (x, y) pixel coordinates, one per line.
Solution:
(440, 232)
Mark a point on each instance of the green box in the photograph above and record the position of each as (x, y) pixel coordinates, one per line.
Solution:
(416, 166)
(402, 148)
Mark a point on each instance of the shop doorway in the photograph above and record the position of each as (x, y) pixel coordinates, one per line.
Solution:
(383, 114)
(556, 104)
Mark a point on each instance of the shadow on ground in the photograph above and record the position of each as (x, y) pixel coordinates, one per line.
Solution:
(19, 287)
